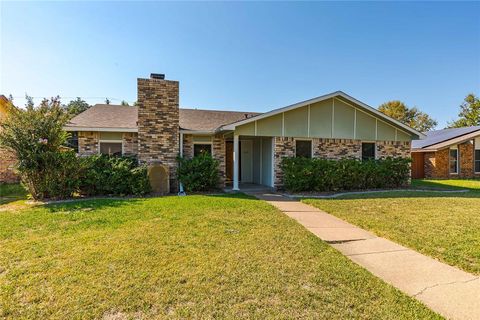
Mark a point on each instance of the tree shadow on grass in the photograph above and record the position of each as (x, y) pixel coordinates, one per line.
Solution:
(91, 204)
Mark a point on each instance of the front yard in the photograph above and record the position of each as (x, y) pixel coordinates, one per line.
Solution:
(444, 226)
(181, 257)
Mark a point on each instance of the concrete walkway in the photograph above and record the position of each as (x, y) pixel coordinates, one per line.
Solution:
(451, 292)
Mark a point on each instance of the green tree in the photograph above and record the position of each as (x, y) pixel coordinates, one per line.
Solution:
(36, 136)
(76, 106)
(469, 114)
(412, 117)
(124, 103)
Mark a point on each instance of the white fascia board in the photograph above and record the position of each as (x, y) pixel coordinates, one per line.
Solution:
(198, 132)
(72, 128)
(322, 98)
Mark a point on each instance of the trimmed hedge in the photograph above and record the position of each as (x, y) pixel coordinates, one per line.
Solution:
(106, 175)
(303, 174)
(199, 173)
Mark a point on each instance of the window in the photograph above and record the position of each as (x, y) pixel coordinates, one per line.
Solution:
(368, 151)
(477, 161)
(72, 141)
(454, 160)
(111, 148)
(303, 148)
(199, 149)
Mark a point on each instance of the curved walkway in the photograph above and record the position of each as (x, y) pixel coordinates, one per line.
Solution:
(451, 292)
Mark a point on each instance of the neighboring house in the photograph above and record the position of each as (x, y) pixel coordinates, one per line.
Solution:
(7, 158)
(447, 153)
(249, 146)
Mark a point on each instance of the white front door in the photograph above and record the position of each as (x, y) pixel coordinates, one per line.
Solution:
(246, 161)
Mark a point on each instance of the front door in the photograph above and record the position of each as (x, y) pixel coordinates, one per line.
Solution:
(229, 160)
(246, 162)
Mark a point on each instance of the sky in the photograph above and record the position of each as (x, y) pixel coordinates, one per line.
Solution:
(253, 56)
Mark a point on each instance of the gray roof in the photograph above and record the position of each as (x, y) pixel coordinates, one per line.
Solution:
(438, 136)
(126, 117)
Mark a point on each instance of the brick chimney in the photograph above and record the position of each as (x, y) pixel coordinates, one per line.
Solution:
(158, 123)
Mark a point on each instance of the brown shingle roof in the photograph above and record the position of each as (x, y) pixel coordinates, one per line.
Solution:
(126, 117)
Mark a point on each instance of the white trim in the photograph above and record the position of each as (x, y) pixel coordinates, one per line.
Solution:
(376, 129)
(111, 141)
(308, 122)
(255, 128)
(396, 132)
(261, 160)
(322, 98)
(283, 124)
(333, 118)
(236, 159)
(355, 124)
(455, 147)
(197, 132)
(71, 128)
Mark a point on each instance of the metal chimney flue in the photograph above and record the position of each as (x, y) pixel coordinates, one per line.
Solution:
(159, 76)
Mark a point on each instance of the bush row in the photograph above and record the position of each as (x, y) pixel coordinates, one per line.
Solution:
(63, 174)
(199, 173)
(303, 174)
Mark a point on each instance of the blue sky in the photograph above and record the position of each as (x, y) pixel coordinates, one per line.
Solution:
(245, 56)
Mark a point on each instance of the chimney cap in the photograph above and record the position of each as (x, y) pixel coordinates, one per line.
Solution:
(160, 76)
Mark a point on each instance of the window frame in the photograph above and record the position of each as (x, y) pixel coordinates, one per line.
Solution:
(457, 160)
(374, 150)
(311, 147)
(110, 141)
(202, 144)
(476, 148)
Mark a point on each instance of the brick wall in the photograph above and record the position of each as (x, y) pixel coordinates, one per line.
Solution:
(88, 143)
(218, 150)
(284, 147)
(337, 148)
(437, 164)
(188, 146)
(7, 167)
(466, 155)
(130, 143)
(158, 124)
(393, 149)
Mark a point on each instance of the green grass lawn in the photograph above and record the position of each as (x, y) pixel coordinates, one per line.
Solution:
(444, 226)
(181, 257)
(11, 192)
(470, 184)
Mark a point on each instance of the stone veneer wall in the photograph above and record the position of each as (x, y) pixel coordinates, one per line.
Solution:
(130, 143)
(7, 167)
(158, 124)
(335, 149)
(188, 146)
(88, 143)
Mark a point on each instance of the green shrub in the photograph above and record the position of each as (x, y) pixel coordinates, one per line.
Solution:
(199, 173)
(302, 174)
(106, 175)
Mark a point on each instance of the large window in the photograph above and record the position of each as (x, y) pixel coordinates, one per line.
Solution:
(453, 160)
(111, 148)
(368, 151)
(303, 148)
(199, 149)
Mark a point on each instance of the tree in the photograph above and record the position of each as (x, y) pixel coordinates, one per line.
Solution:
(412, 117)
(124, 103)
(76, 106)
(469, 114)
(36, 136)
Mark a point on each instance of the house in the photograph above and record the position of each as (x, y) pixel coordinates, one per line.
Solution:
(7, 158)
(447, 153)
(249, 146)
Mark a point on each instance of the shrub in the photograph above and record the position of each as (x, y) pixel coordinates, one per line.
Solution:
(106, 175)
(302, 174)
(199, 173)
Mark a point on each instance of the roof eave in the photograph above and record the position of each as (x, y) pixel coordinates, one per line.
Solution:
(100, 129)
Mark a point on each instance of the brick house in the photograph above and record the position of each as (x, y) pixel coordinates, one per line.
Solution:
(447, 153)
(249, 146)
(7, 158)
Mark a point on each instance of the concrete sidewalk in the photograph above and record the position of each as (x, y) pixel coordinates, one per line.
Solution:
(451, 292)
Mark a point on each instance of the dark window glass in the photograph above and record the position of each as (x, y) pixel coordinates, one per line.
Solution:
(202, 149)
(303, 148)
(368, 151)
(72, 141)
(453, 161)
(111, 148)
(477, 160)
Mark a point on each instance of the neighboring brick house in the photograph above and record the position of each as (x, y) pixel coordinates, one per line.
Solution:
(7, 158)
(448, 153)
(249, 146)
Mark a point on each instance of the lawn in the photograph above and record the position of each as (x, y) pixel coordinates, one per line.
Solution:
(181, 257)
(11, 192)
(444, 226)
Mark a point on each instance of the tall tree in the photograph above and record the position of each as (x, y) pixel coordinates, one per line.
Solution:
(76, 106)
(469, 114)
(412, 117)
(124, 103)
